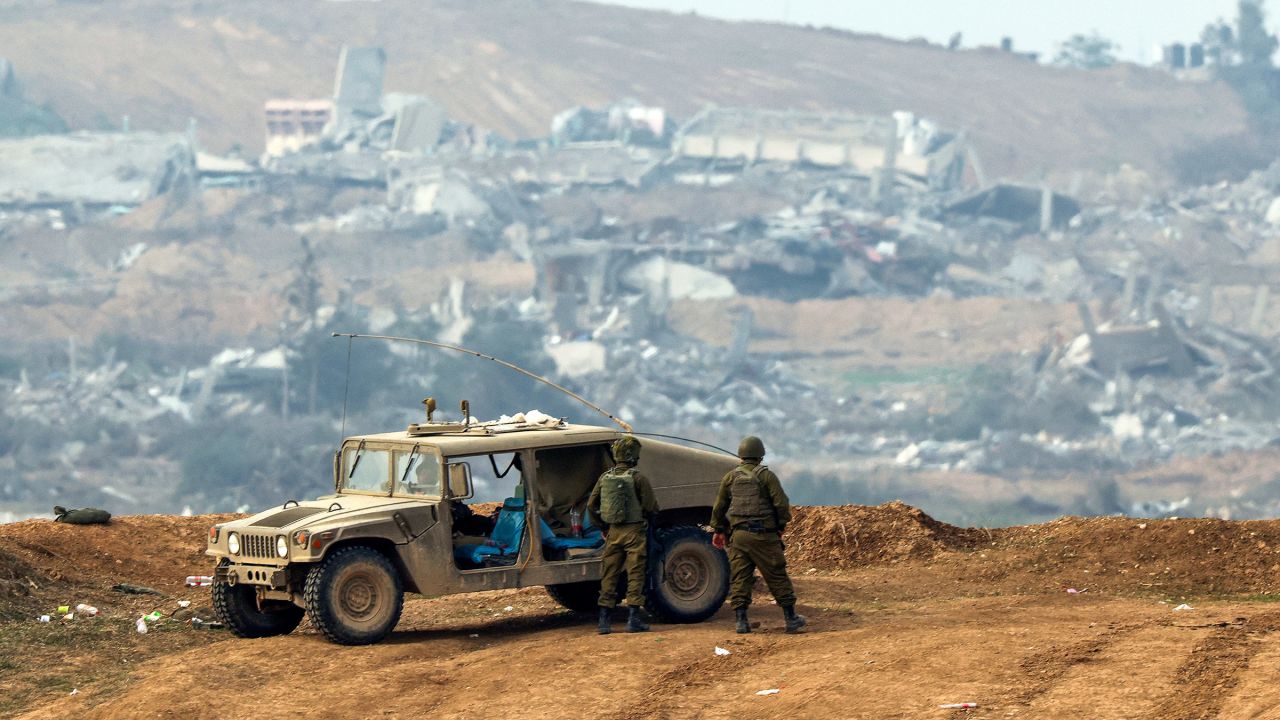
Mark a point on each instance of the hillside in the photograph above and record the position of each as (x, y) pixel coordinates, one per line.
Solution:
(511, 65)
(1073, 618)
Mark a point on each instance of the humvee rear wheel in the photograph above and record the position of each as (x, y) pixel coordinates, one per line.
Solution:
(237, 607)
(583, 597)
(354, 597)
(693, 576)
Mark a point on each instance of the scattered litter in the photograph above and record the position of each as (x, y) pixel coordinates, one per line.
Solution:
(722, 651)
(89, 610)
(508, 608)
(141, 625)
(64, 609)
(199, 580)
(773, 691)
(69, 616)
(184, 603)
(75, 691)
(1183, 606)
(474, 635)
(1073, 591)
(44, 618)
(959, 706)
(199, 624)
(1142, 526)
(153, 616)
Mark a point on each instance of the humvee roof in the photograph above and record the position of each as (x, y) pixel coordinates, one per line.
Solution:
(483, 440)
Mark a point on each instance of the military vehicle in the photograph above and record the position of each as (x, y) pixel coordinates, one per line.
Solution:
(399, 522)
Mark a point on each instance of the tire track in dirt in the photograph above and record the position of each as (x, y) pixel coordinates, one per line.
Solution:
(1045, 669)
(1208, 676)
(657, 699)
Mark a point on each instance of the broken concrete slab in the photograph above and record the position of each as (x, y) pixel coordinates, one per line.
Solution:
(98, 169)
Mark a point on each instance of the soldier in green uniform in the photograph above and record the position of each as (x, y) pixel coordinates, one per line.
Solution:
(754, 511)
(620, 504)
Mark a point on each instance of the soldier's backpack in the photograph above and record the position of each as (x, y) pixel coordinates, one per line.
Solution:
(82, 516)
(619, 502)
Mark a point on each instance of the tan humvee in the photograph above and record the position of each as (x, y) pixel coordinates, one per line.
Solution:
(399, 522)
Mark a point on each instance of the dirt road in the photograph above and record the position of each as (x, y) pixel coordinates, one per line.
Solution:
(980, 618)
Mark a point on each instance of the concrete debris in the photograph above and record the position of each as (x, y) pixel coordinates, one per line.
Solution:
(96, 170)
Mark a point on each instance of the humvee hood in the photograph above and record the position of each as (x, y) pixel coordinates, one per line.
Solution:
(344, 508)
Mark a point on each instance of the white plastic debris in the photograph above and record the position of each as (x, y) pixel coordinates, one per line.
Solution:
(1183, 606)
(474, 635)
(772, 691)
(141, 625)
(722, 651)
(75, 691)
(508, 608)
(958, 706)
(184, 603)
(44, 618)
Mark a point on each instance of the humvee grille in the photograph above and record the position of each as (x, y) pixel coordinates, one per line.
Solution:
(258, 546)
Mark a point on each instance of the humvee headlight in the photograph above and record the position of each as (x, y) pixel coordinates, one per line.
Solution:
(282, 546)
(233, 543)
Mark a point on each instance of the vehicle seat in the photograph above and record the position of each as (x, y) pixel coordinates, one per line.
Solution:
(591, 537)
(503, 541)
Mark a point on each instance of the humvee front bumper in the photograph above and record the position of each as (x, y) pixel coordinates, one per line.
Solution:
(276, 578)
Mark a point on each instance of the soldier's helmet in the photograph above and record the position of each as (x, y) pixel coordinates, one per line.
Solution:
(626, 450)
(751, 448)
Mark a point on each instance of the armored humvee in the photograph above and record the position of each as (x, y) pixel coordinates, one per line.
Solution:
(399, 522)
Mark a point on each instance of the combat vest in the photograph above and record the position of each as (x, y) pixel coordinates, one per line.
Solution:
(619, 501)
(747, 497)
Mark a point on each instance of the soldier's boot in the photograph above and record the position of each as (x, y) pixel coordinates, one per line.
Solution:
(606, 620)
(634, 622)
(795, 621)
(743, 626)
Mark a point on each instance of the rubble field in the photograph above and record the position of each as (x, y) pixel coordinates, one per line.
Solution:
(1074, 616)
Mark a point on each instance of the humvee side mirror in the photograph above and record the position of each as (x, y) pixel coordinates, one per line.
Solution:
(460, 481)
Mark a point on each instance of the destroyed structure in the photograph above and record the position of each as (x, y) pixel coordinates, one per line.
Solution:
(1174, 353)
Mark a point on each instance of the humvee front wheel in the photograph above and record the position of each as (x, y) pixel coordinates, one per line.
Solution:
(237, 607)
(693, 576)
(354, 596)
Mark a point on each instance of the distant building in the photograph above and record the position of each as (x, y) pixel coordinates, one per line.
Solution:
(291, 124)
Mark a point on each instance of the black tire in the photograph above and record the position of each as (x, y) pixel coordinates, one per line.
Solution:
(237, 607)
(582, 597)
(691, 577)
(354, 596)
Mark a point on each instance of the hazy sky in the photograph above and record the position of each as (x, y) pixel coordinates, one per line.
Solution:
(1137, 25)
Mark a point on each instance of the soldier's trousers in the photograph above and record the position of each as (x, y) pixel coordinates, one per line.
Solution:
(750, 550)
(626, 548)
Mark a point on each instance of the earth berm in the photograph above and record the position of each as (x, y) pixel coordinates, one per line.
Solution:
(1072, 618)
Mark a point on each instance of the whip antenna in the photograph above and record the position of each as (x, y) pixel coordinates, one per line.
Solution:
(504, 363)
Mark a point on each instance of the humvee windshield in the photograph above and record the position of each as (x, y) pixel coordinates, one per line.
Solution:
(410, 471)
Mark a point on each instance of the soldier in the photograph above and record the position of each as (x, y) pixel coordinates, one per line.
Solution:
(754, 511)
(620, 504)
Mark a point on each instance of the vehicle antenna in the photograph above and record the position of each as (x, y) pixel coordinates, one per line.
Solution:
(346, 386)
(504, 363)
(689, 440)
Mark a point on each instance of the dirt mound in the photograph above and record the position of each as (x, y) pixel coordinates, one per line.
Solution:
(158, 551)
(1175, 557)
(848, 536)
(17, 580)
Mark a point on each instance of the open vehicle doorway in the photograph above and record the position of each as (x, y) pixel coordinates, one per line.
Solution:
(565, 478)
(492, 539)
